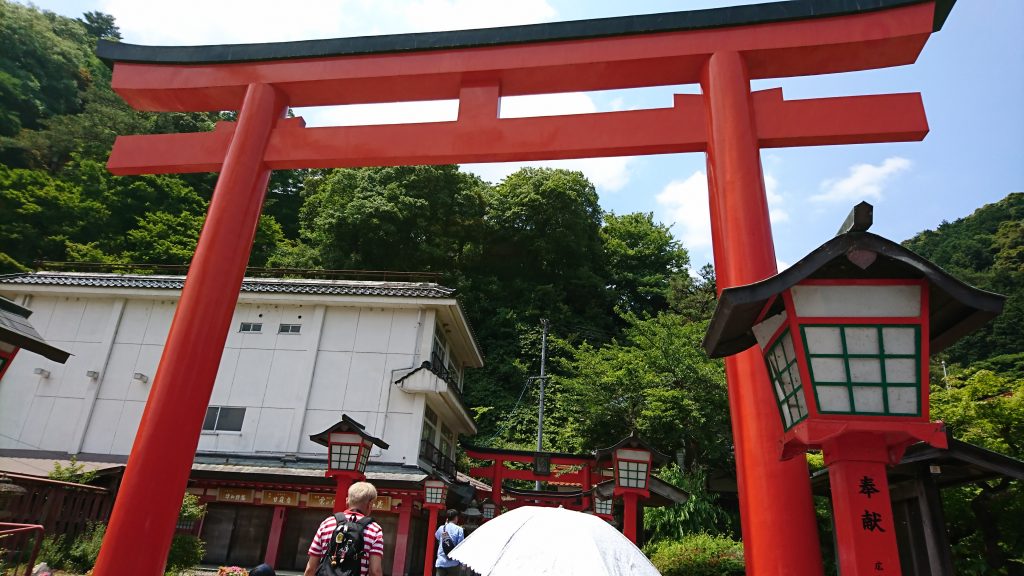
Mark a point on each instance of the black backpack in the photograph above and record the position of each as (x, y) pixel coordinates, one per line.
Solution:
(345, 551)
(447, 544)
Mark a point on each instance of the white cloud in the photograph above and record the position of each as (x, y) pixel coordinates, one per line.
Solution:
(163, 22)
(607, 174)
(781, 265)
(685, 204)
(547, 105)
(776, 213)
(389, 113)
(465, 14)
(189, 22)
(863, 181)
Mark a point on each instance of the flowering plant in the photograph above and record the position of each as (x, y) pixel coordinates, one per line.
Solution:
(232, 571)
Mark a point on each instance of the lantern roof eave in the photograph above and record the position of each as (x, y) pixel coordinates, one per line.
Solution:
(15, 329)
(662, 493)
(956, 308)
(505, 35)
(632, 441)
(347, 424)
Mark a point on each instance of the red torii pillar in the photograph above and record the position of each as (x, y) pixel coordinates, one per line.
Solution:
(744, 253)
(727, 122)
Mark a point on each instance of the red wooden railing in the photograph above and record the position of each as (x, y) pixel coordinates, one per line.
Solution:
(15, 550)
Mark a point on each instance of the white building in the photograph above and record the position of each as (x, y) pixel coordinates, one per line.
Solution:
(299, 355)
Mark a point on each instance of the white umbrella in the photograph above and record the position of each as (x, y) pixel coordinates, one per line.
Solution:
(552, 542)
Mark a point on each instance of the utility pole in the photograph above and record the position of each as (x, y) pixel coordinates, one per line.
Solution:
(540, 409)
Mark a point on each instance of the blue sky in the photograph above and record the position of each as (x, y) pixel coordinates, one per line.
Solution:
(971, 75)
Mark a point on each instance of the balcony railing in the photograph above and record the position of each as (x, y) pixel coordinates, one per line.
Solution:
(440, 369)
(438, 459)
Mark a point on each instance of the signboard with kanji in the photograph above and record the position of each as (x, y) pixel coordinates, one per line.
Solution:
(241, 495)
(381, 503)
(280, 498)
(316, 500)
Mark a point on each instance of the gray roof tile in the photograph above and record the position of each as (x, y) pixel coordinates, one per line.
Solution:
(256, 285)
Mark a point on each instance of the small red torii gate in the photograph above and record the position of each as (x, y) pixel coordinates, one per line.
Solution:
(584, 472)
(721, 49)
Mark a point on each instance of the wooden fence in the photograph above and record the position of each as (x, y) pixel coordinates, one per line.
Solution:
(60, 507)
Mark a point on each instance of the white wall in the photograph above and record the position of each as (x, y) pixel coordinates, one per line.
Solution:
(354, 352)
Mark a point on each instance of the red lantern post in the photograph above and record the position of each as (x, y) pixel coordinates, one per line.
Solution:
(632, 475)
(435, 495)
(845, 335)
(632, 459)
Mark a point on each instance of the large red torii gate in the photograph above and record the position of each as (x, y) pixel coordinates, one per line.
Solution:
(721, 49)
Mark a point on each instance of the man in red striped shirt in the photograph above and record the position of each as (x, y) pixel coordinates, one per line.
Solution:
(360, 496)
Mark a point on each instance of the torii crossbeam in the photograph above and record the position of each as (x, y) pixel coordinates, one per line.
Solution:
(721, 49)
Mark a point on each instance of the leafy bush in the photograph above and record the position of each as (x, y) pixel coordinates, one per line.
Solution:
(698, 555)
(77, 555)
(54, 551)
(191, 509)
(73, 472)
(186, 551)
(86, 547)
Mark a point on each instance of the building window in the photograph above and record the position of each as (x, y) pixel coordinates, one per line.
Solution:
(447, 442)
(223, 419)
(251, 327)
(443, 362)
(289, 328)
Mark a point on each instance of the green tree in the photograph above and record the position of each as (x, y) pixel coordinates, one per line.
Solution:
(701, 512)
(983, 518)
(396, 218)
(100, 25)
(694, 298)
(39, 214)
(641, 261)
(46, 62)
(657, 379)
(542, 251)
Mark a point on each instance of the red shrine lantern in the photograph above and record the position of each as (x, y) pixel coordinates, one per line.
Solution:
(631, 462)
(845, 335)
(632, 470)
(488, 509)
(603, 508)
(348, 450)
(435, 493)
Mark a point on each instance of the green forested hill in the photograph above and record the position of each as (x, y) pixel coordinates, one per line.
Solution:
(985, 249)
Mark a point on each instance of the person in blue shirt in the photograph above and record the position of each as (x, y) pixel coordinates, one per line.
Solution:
(446, 566)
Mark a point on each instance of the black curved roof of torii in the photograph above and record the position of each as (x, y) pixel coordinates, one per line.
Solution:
(955, 309)
(553, 31)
